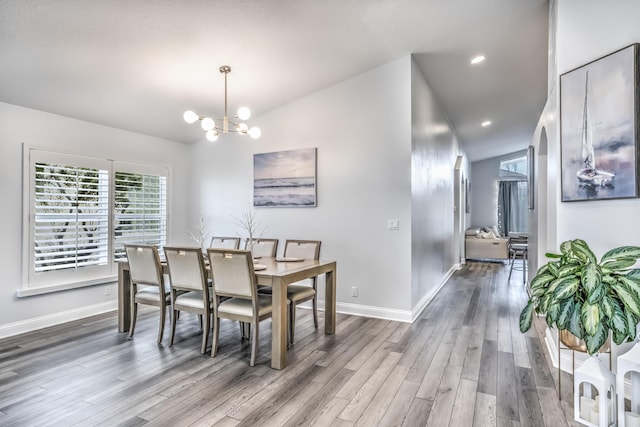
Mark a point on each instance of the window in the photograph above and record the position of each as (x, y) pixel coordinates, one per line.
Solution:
(513, 199)
(79, 214)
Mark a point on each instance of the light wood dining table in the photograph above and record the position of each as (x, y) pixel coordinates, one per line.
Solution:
(277, 274)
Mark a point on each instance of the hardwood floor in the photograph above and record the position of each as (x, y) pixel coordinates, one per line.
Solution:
(462, 363)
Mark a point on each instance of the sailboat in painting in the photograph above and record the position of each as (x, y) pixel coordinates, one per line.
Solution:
(589, 174)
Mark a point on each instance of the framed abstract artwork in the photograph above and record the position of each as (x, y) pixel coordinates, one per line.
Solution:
(598, 128)
(285, 178)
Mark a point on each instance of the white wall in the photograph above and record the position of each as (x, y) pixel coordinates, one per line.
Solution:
(36, 128)
(587, 30)
(362, 129)
(434, 153)
(484, 189)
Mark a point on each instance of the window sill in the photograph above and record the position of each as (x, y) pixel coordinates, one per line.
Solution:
(32, 291)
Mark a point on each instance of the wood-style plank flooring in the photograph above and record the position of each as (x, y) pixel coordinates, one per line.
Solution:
(462, 363)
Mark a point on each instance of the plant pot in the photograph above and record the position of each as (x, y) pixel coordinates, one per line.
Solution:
(577, 344)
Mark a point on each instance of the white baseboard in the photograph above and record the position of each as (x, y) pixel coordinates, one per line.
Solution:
(36, 323)
(408, 316)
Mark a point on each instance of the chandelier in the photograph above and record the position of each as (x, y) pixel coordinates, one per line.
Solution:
(215, 128)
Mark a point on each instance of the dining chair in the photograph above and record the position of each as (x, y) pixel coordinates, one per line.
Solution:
(305, 290)
(233, 276)
(518, 249)
(218, 242)
(263, 247)
(189, 287)
(147, 283)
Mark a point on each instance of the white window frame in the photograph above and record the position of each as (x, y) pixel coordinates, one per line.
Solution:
(36, 283)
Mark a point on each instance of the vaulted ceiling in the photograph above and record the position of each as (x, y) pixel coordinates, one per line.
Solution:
(138, 65)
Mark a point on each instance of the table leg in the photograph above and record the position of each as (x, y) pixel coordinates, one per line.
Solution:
(279, 324)
(124, 298)
(330, 303)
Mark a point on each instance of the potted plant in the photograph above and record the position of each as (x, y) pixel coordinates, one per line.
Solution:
(585, 297)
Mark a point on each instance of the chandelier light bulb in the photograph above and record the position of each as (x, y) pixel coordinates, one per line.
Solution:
(244, 113)
(212, 136)
(255, 132)
(242, 128)
(208, 124)
(190, 116)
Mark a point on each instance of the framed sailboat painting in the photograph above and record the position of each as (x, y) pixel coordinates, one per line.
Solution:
(598, 130)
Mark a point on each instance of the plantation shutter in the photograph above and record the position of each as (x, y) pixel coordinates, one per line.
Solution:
(140, 211)
(71, 207)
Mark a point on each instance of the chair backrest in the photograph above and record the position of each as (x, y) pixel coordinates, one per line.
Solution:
(263, 247)
(144, 265)
(232, 273)
(218, 242)
(186, 268)
(518, 238)
(307, 249)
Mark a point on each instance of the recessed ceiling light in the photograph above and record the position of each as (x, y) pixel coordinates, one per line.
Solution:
(477, 59)
(486, 123)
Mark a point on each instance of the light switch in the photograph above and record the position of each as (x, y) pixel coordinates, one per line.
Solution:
(393, 224)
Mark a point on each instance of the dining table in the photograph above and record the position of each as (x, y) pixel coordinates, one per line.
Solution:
(274, 272)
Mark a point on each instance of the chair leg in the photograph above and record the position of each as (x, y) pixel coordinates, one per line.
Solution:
(200, 320)
(134, 315)
(214, 342)
(254, 345)
(163, 313)
(205, 332)
(173, 326)
(315, 311)
(513, 259)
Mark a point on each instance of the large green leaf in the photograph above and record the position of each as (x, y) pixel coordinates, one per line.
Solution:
(597, 293)
(553, 268)
(569, 269)
(541, 281)
(622, 252)
(526, 317)
(634, 274)
(575, 322)
(632, 283)
(618, 264)
(566, 311)
(565, 287)
(632, 324)
(590, 316)
(618, 322)
(609, 305)
(565, 247)
(553, 313)
(597, 339)
(619, 337)
(582, 251)
(627, 297)
(591, 276)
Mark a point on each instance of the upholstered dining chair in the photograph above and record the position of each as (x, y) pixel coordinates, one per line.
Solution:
(233, 276)
(189, 287)
(218, 242)
(299, 292)
(147, 283)
(263, 247)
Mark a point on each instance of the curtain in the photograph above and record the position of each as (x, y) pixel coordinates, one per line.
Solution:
(512, 207)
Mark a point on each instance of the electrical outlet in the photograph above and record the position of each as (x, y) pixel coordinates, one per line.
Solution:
(107, 290)
(354, 291)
